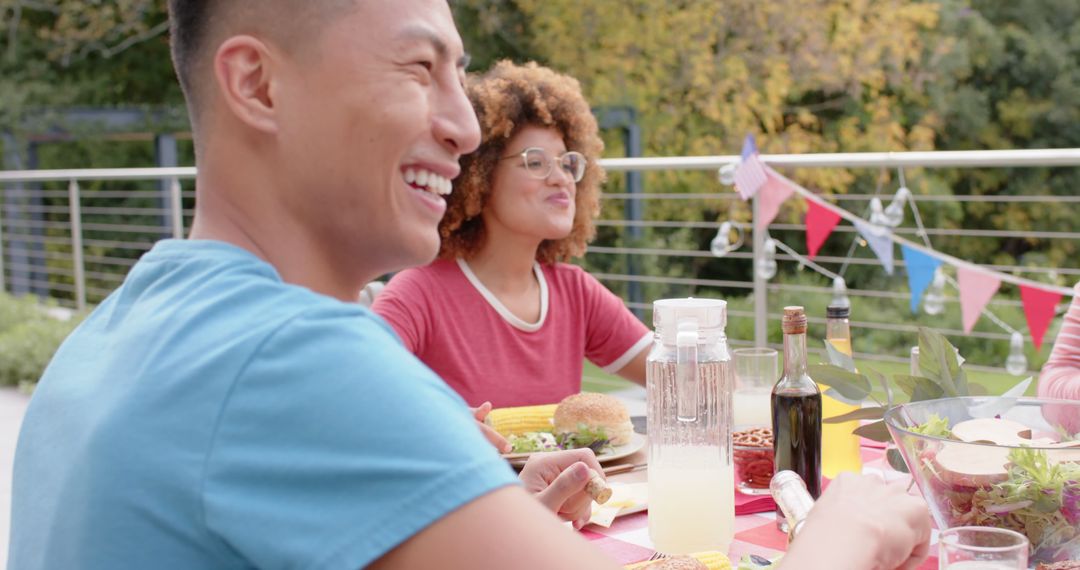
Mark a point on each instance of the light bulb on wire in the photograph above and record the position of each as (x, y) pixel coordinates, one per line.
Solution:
(934, 303)
(840, 298)
(893, 215)
(877, 212)
(721, 244)
(766, 266)
(726, 174)
(1016, 363)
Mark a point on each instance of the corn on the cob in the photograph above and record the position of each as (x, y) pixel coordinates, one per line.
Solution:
(712, 559)
(512, 421)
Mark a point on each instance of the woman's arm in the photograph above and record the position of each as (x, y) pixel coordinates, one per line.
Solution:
(1060, 377)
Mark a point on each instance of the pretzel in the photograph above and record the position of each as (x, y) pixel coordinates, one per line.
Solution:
(754, 467)
(755, 437)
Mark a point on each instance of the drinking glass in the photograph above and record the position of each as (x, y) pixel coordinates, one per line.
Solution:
(982, 548)
(755, 374)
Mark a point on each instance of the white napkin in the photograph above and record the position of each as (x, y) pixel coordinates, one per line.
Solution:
(625, 498)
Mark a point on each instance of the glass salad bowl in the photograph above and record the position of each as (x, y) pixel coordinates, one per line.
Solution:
(1009, 463)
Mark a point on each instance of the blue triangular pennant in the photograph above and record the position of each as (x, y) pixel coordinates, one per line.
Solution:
(920, 272)
(880, 242)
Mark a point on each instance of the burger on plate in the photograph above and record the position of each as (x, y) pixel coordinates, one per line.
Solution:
(592, 420)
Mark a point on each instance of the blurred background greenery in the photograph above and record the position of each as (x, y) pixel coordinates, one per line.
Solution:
(804, 75)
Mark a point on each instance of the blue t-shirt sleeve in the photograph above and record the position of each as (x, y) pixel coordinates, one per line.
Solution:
(336, 445)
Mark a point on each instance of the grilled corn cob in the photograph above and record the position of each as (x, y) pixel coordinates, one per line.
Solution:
(712, 559)
(514, 421)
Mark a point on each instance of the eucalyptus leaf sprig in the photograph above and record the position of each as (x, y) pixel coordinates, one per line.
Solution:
(942, 375)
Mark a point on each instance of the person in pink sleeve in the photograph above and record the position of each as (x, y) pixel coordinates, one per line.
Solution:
(1060, 376)
(501, 316)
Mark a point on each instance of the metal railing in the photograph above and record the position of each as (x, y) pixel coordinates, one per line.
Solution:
(77, 250)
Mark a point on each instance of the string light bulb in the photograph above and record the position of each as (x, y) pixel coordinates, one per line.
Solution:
(726, 174)
(934, 303)
(893, 215)
(877, 212)
(766, 266)
(839, 289)
(721, 244)
(1016, 363)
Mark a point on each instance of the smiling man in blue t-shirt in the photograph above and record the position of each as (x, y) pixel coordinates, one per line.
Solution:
(228, 406)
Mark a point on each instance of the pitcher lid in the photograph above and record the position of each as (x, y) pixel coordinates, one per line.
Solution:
(710, 314)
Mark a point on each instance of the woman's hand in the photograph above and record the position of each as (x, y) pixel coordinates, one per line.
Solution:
(558, 479)
(495, 438)
(860, 522)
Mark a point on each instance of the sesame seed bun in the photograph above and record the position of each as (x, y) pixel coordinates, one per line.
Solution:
(594, 410)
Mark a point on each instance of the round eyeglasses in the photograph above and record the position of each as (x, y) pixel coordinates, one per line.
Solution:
(539, 164)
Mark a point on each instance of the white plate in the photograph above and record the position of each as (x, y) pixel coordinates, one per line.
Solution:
(637, 441)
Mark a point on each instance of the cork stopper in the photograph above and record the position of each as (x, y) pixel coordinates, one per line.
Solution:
(794, 320)
(597, 488)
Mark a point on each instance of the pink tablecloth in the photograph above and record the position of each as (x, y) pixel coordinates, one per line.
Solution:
(627, 541)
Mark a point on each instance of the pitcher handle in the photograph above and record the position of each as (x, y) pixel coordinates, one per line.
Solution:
(687, 373)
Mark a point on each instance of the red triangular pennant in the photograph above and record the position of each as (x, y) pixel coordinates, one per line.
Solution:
(1039, 305)
(820, 222)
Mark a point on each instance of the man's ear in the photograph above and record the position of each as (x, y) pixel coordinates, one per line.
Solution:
(244, 69)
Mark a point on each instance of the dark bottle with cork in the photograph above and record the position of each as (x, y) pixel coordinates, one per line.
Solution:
(796, 411)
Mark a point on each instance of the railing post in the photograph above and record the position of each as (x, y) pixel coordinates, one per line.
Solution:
(177, 209)
(75, 216)
(3, 276)
(166, 156)
(761, 305)
(634, 211)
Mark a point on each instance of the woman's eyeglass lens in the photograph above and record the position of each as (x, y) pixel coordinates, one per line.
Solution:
(539, 164)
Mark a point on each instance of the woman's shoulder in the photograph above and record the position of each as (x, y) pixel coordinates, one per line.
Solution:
(569, 274)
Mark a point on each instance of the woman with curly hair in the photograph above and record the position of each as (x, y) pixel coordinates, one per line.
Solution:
(500, 315)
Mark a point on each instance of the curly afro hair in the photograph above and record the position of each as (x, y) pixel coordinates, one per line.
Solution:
(508, 98)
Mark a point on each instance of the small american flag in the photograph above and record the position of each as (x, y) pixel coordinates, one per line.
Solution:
(750, 174)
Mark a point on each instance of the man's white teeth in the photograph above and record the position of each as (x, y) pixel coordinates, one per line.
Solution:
(427, 179)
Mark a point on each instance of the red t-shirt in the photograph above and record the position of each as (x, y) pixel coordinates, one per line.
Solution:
(456, 326)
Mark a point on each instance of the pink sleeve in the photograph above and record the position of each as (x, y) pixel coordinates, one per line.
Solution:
(614, 336)
(403, 304)
(1060, 377)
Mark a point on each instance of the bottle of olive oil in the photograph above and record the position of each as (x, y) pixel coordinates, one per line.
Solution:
(839, 446)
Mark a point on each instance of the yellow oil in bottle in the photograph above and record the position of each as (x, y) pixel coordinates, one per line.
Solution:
(839, 446)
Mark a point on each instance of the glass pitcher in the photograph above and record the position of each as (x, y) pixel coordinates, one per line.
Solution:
(689, 380)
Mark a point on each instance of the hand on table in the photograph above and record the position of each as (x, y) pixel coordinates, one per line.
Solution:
(862, 522)
(495, 438)
(558, 479)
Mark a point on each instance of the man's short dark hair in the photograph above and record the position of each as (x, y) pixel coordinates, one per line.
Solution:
(193, 26)
(188, 23)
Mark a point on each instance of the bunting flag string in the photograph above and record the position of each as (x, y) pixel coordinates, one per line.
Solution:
(820, 223)
(770, 196)
(1039, 306)
(920, 272)
(750, 174)
(977, 285)
(878, 239)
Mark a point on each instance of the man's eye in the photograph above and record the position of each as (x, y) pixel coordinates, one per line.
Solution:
(425, 64)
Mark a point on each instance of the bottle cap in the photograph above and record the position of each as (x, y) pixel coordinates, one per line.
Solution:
(794, 320)
(837, 312)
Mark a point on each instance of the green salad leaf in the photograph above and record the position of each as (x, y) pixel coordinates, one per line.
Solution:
(936, 426)
(585, 436)
(532, 442)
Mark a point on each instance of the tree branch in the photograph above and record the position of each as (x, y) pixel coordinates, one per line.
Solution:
(108, 52)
